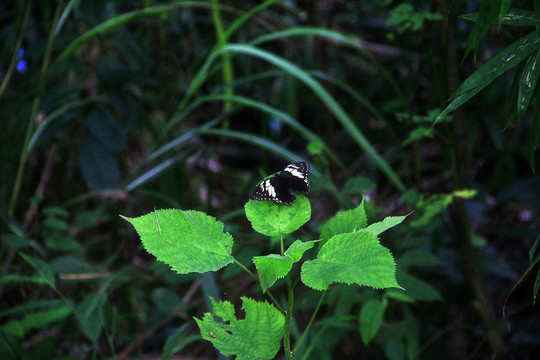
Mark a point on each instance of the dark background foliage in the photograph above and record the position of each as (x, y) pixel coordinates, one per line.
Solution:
(120, 107)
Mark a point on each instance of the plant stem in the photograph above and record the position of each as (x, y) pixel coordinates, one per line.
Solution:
(458, 211)
(268, 293)
(288, 316)
(310, 322)
(227, 65)
(33, 114)
(15, 57)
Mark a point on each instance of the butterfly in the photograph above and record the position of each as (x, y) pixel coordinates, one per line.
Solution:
(279, 186)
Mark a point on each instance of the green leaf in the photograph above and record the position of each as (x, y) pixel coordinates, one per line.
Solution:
(297, 249)
(272, 267)
(516, 17)
(272, 219)
(15, 241)
(89, 313)
(106, 128)
(417, 288)
(345, 222)
(493, 68)
(44, 269)
(418, 133)
(528, 81)
(385, 224)
(166, 300)
(258, 336)
(489, 13)
(358, 184)
(534, 134)
(178, 340)
(352, 258)
(188, 241)
(417, 257)
(98, 165)
(15, 278)
(371, 316)
(34, 321)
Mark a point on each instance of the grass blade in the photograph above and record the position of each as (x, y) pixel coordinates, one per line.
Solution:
(528, 81)
(493, 68)
(328, 100)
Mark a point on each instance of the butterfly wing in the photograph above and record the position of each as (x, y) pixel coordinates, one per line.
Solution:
(295, 176)
(274, 189)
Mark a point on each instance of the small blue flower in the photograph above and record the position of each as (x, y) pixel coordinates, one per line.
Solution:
(22, 64)
(275, 126)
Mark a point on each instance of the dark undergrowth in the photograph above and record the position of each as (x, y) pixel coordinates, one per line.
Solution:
(123, 107)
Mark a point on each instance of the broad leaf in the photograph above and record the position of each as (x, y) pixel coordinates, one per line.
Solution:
(188, 241)
(272, 219)
(297, 249)
(352, 258)
(417, 288)
(345, 222)
(89, 315)
(371, 316)
(272, 267)
(258, 336)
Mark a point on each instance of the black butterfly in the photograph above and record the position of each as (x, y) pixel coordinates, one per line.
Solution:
(278, 187)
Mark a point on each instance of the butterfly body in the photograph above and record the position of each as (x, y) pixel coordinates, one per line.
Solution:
(280, 186)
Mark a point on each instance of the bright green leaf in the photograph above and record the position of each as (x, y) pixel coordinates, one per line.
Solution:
(258, 336)
(352, 258)
(385, 224)
(272, 267)
(371, 316)
(297, 249)
(188, 241)
(272, 219)
(345, 222)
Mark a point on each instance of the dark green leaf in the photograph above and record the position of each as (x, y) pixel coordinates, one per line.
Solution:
(99, 166)
(534, 134)
(493, 68)
(371, 316)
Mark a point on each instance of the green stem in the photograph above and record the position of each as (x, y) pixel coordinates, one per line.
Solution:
(310, 322)
(33, 114)
(288, 316)
(227, 64)
(276, 303)
(15, 56)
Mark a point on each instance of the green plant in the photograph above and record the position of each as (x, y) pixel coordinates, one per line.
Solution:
(523, 54)
(349, 252)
